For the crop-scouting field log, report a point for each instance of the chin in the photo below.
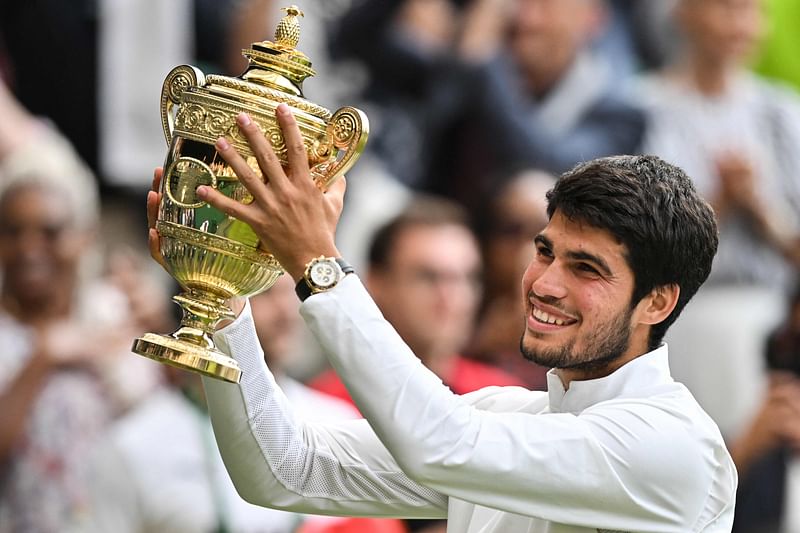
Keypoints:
(543, 353)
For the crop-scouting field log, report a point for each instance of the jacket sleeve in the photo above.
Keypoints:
(277, 460)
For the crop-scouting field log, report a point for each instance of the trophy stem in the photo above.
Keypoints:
(192, 347)
(201, 313)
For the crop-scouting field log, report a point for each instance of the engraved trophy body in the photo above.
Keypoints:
(211, 255)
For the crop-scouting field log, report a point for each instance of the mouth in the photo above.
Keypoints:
(543, 320)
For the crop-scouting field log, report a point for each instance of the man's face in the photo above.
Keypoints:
(577, 293)
(547, 34)
(39, 244)
(722, 30)
(276, 317)
(430, 289)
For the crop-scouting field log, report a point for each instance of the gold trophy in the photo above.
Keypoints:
(213, 256)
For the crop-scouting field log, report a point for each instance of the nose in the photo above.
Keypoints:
(545, 281)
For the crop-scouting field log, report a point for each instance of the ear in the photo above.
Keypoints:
(658, 304)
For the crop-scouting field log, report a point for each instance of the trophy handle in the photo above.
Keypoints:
(178, 80)
(348, 128)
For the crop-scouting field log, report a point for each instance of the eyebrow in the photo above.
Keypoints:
(577, 255)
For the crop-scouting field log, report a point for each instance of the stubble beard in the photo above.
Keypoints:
(609, 343)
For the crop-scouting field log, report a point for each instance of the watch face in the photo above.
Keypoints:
(324, 273)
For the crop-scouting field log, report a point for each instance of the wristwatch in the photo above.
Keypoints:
(322, 274)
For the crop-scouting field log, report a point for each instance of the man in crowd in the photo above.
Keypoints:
(425, 275)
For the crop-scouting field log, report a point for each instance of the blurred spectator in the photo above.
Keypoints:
(468, 92)
(766, 451)
(159, 469)
(65, 336)
(517, 215)
(736, 135)
(424, 274)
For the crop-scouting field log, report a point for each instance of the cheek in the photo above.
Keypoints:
(532, 273)
(528, 277)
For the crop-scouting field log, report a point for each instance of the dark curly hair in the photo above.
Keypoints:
(669, 232)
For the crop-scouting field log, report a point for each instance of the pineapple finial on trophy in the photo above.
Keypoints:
(287, 34)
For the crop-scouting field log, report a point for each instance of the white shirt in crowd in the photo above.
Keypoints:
(629, 452)
(159, 470)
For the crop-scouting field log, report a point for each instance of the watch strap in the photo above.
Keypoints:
(304, 290)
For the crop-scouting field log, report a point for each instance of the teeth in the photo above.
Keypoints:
(541, 316)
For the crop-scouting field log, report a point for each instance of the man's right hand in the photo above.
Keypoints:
(153, 201)
(154, 241)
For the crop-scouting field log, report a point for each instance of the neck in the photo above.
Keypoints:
(544, 78)
(539, 86)
(541, 81)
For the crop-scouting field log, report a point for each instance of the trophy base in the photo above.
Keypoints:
(182, 354)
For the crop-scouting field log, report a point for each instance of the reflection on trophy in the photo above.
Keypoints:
(212, 255)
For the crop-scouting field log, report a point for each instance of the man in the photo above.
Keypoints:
(424, 274)
(614, 444)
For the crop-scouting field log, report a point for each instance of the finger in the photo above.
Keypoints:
(227, 205)
(152, 208)
(295, 147)
(154, 243)
(265, 155)
(335, 194)
(247, 176)
(158, 173)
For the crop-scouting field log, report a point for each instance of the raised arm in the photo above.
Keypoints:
(277, 460)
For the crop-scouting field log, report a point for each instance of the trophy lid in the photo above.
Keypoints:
(268, 58)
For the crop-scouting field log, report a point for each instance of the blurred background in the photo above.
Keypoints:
(475, 107)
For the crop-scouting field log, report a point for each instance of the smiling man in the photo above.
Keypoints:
(613, 445)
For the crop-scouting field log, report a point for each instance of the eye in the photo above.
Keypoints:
(543, 251)
(586, 268)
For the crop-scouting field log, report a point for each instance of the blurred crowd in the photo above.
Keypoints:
(475, 107)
